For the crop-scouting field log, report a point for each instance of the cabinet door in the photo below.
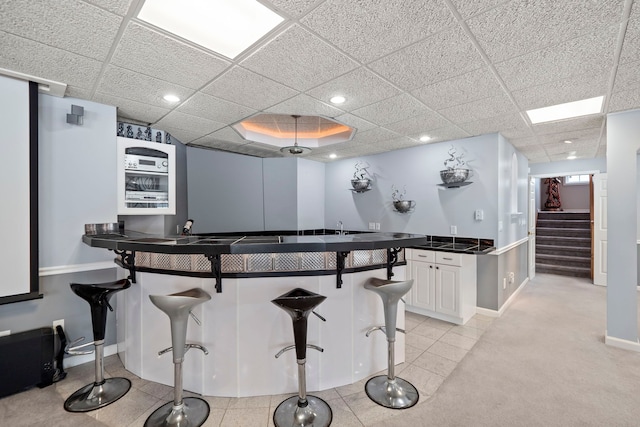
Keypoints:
(447, 289)
(423, 290)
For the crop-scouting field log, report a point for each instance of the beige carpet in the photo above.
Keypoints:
(543, 363)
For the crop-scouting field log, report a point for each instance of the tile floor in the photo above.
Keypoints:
(433, 350)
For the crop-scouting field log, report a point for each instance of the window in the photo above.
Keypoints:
(576, 179)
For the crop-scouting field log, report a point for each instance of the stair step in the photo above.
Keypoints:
(581, 252)
(562, 232)
(563, 260)
(564, 215)
(563, 270)
(576, 242)
(568, 223)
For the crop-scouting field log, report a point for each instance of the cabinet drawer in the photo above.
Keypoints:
(448, 258)
(422, 255)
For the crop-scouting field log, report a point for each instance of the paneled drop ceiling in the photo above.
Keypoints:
(445, 68)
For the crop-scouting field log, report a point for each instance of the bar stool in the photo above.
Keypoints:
(182, 411)
(301, 410)
(101, 392)
(388, 390)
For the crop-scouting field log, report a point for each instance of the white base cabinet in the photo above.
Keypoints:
(444, 285)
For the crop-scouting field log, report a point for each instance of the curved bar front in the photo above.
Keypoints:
(241, 328)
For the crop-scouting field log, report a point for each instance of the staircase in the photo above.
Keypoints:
(563, 243)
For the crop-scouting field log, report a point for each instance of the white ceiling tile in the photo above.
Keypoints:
(570, 89)
(439, 57)
(632, 38)
(148, 52)
(498, 105)
(127, 84)
(593, 52)
(80, 93)
(129, 109)
(211, 108)
(447, 133)
(70, 25)
(119, 7)
(477, 84)
(360, 125)
(392, 110)
(306, 106)
(467, 8)
(570, 125)
(373, 135)
(227, 134)
(417, 125)
(187, 127)
(627, 77)
(295, 8)
(368, 30)
(501, 123)
(522, 26)
(602, 151)
(36, 59)
(360, 87)
(621, 101)
(247, 88)
(298, 59)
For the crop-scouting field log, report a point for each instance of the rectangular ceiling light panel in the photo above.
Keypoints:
(568, 110)
(227, 27)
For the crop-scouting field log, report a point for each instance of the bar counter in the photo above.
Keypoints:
(241, 328)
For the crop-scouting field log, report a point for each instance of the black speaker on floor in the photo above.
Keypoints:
(26, 360)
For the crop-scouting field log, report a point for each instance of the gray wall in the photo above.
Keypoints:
(311, 191)
(226, 191)
(280, 186)
(622, 147)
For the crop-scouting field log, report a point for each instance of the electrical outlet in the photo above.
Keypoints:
(504, 283)
(5, 333)
(58, 322)
(479, 215)
(512, 277)
(377, 226)
(454, 230)
(372, 226)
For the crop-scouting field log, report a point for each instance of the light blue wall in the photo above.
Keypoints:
(623, 142)
(512, 225)
(417, 169)
(77, 168)
(77, 173)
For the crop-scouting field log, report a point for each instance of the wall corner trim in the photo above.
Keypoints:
(620, 343)
(510, 246)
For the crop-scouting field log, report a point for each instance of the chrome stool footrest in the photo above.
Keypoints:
(186, 348)
(292, 346)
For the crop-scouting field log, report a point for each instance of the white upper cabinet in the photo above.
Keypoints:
(146, 178)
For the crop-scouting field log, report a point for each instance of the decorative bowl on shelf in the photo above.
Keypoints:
(404, 206)
(454, 176)
(360, 185)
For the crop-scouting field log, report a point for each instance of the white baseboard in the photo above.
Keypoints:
(620, 343)
(497, 313)
(79, 359)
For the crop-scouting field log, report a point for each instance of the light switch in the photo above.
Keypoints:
(454, 230)
(479, 215)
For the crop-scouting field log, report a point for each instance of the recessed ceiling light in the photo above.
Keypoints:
(567, 110)
(425, 138)
(171, 98)
(333, 155)
(226, 27)
(338, 99)
(571, 157)
(566, 141)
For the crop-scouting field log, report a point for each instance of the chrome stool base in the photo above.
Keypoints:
(192, 413)
(394, 394)
(316, 413)
(94, 396)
